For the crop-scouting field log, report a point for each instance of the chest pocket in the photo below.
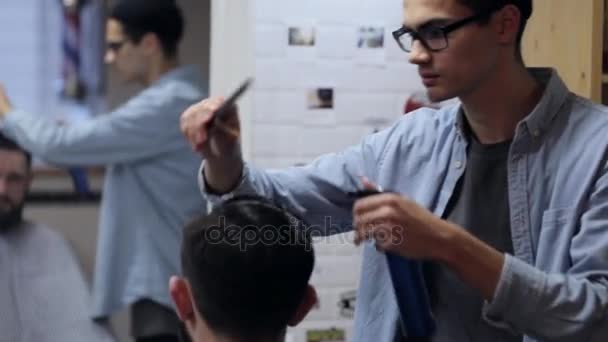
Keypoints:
(558, 226)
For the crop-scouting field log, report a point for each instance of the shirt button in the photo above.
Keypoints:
(536, 133)
(458, 164)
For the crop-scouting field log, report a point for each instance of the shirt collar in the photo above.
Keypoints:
(180, 72)
(539, 119)
(553, 98)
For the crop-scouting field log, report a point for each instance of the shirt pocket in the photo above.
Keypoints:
(553, 250)
(554, 239)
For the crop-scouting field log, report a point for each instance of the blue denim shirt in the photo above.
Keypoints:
(555, 286)
(148, 192)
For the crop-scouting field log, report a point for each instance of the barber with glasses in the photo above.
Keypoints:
(503, 196)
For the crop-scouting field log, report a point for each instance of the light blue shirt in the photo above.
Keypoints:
(555, 287)
(150, 184)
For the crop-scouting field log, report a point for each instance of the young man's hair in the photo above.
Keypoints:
(248, 263)
(8, 144)
(161, 17)
(487, 6)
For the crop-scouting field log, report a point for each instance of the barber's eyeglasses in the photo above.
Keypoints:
(433, 38)
(115, 46)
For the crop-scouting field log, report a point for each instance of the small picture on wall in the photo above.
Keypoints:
(301, 36)
(370, 37)
(320, 98)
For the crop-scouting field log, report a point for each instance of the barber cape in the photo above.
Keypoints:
(43, 294)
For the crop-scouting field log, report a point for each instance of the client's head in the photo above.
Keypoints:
(15, 180)
(246, 268)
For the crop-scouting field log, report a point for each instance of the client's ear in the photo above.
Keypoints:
(180, 293)
(309, 300)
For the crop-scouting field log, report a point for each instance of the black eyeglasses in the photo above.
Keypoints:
(434, 38)
(115, 46)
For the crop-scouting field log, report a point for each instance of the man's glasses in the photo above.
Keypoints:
(433, 38)
(115, 46)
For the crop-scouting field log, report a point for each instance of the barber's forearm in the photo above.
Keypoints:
(5, 104)
(223, 175)
(5, 109)
(475, 262)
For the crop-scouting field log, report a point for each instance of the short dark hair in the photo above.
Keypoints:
(161, 17)
(248, 263)
(486, 6)
(8, 144)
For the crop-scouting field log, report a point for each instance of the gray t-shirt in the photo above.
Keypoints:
(480, 205)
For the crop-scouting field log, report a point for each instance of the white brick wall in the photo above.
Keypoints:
(369, 93)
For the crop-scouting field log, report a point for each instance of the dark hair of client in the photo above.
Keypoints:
(10, 145)
(248, 263)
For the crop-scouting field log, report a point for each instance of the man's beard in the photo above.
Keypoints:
(11, 219)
